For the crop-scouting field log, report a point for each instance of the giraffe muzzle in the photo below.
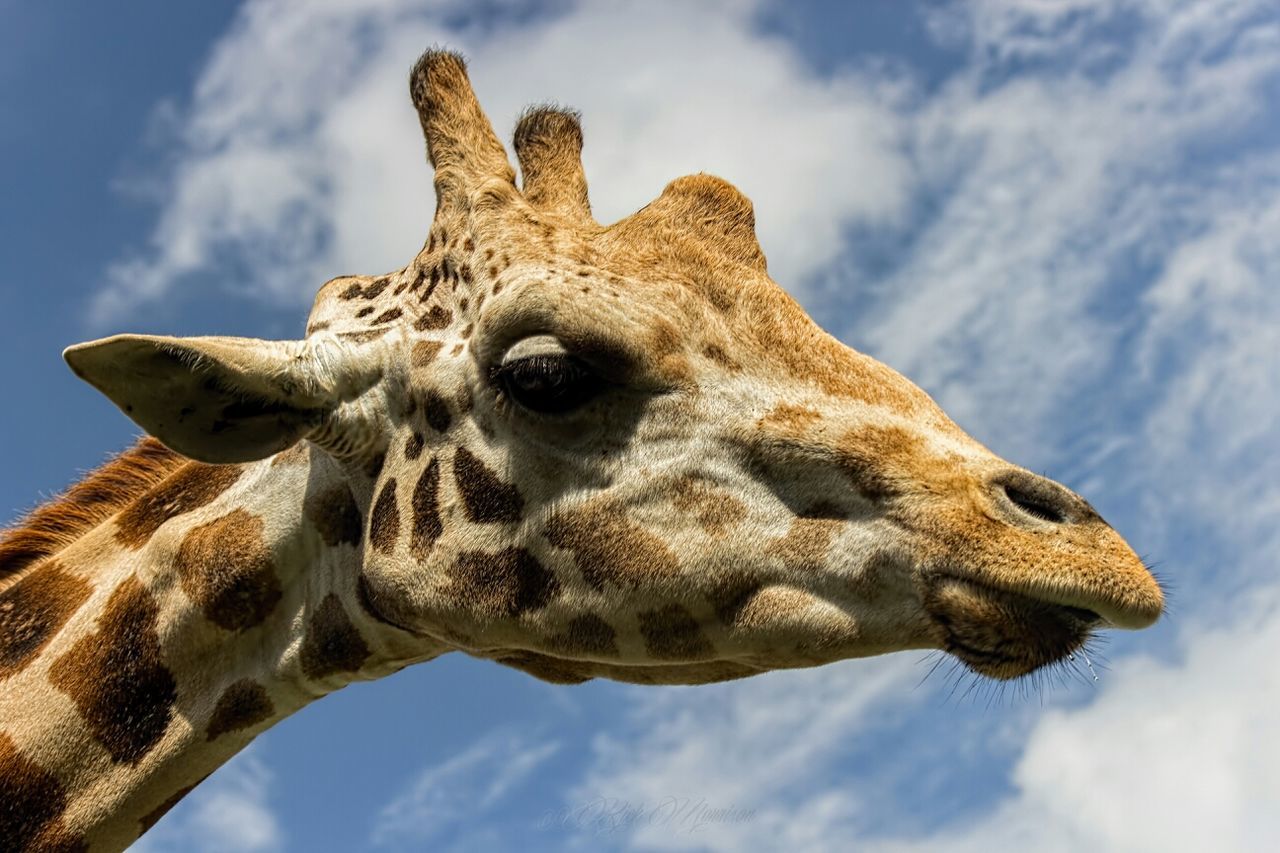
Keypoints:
(1004, 634)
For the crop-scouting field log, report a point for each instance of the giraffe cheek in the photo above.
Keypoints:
(501, 586)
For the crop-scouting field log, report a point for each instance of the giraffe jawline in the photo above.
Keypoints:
(366, 597)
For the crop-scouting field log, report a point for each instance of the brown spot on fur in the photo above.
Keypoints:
(427, 525)
(877, 458)
(413, 446)
(32, 802)
(804, 547)
(353, 290)
(33, 610)
(332, 644)
(730, 593)
(364, 337)
(375, 288)
(243, 704)
(335, 515)
(436, 411)
(384, 521)
(486, 498)
(504, 584)
(425, 352)
(50, 528)
(115, 676)
(715, 509)
(318, 327)
(587, 635)
(152, 817)
(720, 357)
(388, 315)
(435, 319)
(194, 485)
(225, 568)
(608, 546)
(790, 417)
(364, 312)
(671, 633)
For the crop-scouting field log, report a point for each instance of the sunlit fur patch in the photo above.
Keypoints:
(1001, 634)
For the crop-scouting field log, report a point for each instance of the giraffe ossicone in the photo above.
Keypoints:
(580, 450)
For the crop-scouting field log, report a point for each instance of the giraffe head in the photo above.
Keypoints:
(624, 451)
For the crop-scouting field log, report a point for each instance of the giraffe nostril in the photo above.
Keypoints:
(1033, 505)
(1026, 497)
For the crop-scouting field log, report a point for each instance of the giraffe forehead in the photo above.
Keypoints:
(730, 319)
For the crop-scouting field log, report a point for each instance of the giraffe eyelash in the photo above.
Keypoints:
(548, 384)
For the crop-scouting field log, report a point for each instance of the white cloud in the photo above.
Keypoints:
(748, 765)
(460, 790)
(301, 158)
(228, 813)
(1045, 185)
(1214, 321)
(1170, 757)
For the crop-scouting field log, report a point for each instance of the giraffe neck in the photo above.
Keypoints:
(142, 656)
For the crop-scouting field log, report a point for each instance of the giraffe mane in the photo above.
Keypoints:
(63, 519)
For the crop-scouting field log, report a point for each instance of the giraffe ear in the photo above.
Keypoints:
(213, 399)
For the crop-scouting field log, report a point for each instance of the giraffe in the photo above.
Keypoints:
(578, 450)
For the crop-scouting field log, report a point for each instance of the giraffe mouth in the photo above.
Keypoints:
(1003, 634)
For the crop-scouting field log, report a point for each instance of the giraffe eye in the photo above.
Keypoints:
(548, 384)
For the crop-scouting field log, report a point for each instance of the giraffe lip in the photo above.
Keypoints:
(1089, 618)
(1002, 633)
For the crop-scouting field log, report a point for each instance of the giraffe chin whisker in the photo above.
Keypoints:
(1000, 634)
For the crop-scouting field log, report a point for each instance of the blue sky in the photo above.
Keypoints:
(1059, 218)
